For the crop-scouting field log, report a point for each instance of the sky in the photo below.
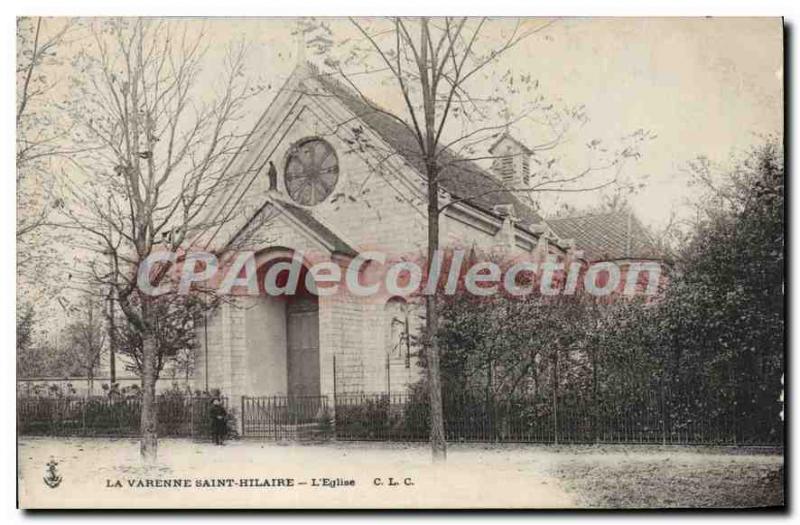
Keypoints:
(702, 86)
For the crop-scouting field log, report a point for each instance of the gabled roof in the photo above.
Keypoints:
(461, 178)
(607, 236)
(305, 217)
(507, 136)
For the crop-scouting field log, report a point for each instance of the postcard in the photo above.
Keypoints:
(400, 263)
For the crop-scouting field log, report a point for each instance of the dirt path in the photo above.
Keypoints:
(383, 475)
(399, 475)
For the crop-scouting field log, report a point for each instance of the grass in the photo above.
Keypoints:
(688, 478)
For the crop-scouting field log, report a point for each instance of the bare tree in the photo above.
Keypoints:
(157, 146)
(86, 339)
(446, 72)
(39, 132)
(39, 142)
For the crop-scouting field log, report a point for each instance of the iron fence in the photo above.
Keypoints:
(285, 417)
(646, 415)
(104, 416)
(651, 416)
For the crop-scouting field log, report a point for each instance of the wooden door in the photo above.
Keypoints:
(302, 358)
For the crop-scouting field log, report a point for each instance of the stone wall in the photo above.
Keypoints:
(247, 340)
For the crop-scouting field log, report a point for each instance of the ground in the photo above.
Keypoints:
(475, 475)
(660, 477)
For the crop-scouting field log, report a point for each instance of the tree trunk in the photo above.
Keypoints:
(555, 397)
(438, 443)
(112, 340)
(595, 401)
(148, 445)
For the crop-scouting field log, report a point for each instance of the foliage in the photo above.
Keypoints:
(38, 357)
(54, 411)
(722, 323)
(27, 362)
(324, 428)
(502, 346)
(717, 334)
(708, 351)
(174, 330)
(47, 390)
(367, 419)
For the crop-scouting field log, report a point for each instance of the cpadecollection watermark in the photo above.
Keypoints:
(373, 272)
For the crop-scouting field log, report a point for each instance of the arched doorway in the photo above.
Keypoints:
(283, 356)
(300, 325)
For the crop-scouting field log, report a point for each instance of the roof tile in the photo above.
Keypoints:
(607, 236)
(462, 178)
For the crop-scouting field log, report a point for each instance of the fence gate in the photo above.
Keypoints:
(286, 418)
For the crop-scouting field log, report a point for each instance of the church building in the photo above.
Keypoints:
(329, 175)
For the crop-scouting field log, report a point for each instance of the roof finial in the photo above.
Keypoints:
(506, 114)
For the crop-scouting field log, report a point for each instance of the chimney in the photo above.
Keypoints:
(512, 161)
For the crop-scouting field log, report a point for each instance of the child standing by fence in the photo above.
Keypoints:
(219, 424)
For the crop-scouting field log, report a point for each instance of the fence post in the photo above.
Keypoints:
(555, 397)
(333, 409)
(663, 411)
(334, 381)
(734, 411)
(244, 425)
(595, 403)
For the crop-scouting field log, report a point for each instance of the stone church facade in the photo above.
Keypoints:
(329, 175)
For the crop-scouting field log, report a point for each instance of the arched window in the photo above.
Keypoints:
(396, 322)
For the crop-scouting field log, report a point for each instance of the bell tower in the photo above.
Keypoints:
(512, 161)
